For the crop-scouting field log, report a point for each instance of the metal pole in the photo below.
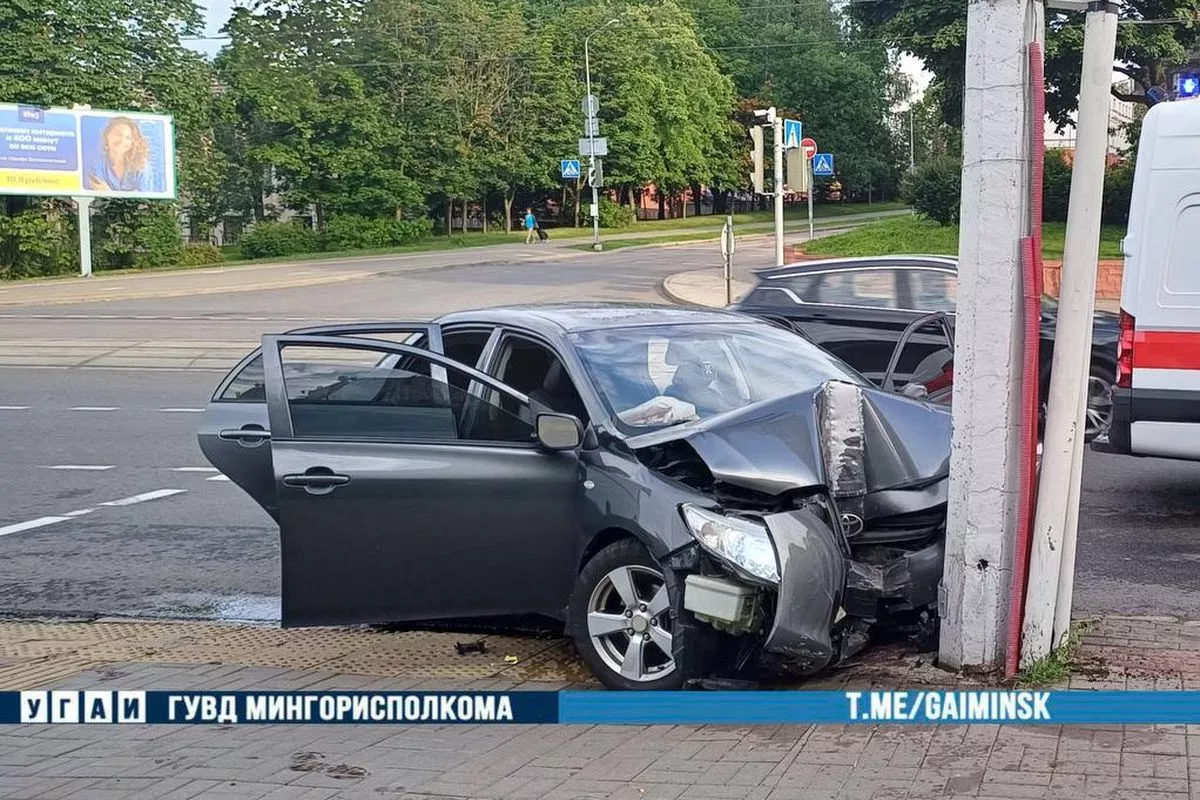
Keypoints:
(811, 188)
(591, 133)
(728, 248)
(1052, 563)
(83, 206)
(777, 126)
(912, 141)
(595, 209)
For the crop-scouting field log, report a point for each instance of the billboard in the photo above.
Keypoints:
(86, 152)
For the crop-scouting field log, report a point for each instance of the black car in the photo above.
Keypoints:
(859, 308)
(686, 491)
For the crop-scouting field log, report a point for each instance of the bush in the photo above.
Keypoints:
(1056, 191)
(1056, 187)
(41, 240)
(268, 239)
(1118, 191)
(129, 233)
(196, 254)
(934, 189)
(615, 215)
(353, 232)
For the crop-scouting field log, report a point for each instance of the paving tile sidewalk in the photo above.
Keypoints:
(778, 762)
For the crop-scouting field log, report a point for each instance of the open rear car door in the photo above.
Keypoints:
(235, 432)
(922, 363)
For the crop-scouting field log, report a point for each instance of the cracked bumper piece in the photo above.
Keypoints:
(812, 572)
(892, 579)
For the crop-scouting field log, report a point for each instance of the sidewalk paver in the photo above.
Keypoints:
(706, 762)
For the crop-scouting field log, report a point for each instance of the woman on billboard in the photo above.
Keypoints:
(120, 161)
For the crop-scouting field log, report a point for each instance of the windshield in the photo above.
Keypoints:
(650, 377)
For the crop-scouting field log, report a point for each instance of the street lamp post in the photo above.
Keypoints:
(588, 113)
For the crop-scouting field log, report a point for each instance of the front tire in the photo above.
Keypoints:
(624, 620)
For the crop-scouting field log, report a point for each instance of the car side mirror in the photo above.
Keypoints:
(558, 432)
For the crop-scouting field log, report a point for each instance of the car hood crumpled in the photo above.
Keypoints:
(853, 439)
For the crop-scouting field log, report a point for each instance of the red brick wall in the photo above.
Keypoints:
(1108, 279)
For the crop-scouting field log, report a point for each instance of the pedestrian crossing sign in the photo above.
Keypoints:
(792, 134)
(822, 165)
(570, 168)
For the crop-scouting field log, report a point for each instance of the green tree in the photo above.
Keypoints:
(112, 54)
(936, 32)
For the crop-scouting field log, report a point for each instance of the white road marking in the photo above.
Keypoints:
(193, 469)
(217, 478)
(14, 408)
(182, 410)
(95, 408)
(145, 496)
(28, 525)
(79, 513)
(86, 467)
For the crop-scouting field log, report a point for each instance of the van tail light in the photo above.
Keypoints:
(1125, 351)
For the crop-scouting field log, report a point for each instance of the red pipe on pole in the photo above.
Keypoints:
(1031, 284)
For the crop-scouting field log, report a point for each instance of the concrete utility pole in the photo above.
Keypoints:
(994, 217)
(1052, 560)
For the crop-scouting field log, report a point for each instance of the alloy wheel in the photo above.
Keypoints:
(1098, 415)
(629, 622)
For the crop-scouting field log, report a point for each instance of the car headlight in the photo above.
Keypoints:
(743, 543)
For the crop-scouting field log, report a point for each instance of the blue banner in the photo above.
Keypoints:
(601, 708)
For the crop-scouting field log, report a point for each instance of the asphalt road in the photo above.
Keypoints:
(108, 508)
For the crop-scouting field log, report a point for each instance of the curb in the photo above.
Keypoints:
(679, 297)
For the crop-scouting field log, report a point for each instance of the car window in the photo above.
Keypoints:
(464, 347)
(933, 289)
(248, 386)
(536, 371)
(351, 393)
(871, 288)
(653, 376)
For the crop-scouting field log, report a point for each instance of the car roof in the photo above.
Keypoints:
(558, 318)
(856, 262)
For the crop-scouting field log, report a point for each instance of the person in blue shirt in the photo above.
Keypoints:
(121, 163)
(530, 226)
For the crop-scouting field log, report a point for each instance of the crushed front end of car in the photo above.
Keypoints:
(823, 521)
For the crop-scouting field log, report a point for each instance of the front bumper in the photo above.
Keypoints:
(812, 570)
(819, 586)
(889, 580)
(826, 601)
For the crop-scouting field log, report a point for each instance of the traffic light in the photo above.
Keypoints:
(595, 176)
(756, 171)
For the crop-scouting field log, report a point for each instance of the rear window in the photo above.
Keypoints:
(248, 386)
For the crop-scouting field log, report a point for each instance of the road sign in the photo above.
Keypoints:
(591, 106)
(823, 165)
(593, 147)
(595, 172)
(809, 146)
(792, 133)
(591, 127)
(570, 168)
(796, 169)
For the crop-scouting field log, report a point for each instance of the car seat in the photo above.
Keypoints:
(557, 393)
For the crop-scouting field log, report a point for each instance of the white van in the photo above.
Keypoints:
(1156, 400)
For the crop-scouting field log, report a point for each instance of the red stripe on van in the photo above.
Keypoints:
(1166, 349)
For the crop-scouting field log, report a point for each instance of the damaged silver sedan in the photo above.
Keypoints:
(690, 493)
